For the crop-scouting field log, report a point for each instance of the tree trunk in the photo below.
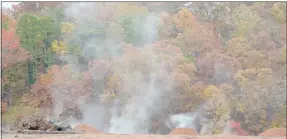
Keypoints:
(31, 72)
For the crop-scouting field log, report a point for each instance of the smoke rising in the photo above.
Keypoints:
(145, 88)
(146, 82)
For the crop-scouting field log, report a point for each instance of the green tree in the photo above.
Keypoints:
(132, 19)
(36, 36)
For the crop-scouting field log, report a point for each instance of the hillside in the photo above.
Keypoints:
(145, 67)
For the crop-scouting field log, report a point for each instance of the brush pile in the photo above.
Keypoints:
(37, 122)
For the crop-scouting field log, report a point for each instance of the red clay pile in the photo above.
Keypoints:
(86, 128)
(184, 131)
(274, 132)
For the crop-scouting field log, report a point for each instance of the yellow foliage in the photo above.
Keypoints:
(255, 59)
(280, 118)
(59, 47)
(216, 131)
(46, 79)
(282, 56)
(245, 19)
(253, 77)
(67, 27)
(188, 69)
(184, 19)
(211, 91)
(113, 85)
(278, 12)
(237, 46)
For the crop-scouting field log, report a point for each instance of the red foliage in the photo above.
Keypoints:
(11, 50)
(65, 84)
(237, 128)
(61, 85)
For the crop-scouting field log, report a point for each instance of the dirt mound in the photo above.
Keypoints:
(274, 132)
(184, 131)
(86, 128)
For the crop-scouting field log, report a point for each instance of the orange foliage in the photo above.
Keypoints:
(59, 84)
(3, 107)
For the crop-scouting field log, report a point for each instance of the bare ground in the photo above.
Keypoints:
(107, 136)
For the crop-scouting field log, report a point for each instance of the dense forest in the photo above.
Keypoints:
(147, 60)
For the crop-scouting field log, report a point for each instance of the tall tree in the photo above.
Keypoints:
(36, 36)
(13, 59)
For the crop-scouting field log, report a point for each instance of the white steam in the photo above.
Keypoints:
(182, 121)
(146, 88)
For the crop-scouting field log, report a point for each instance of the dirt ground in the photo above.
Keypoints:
(278, 132)
(105, 136)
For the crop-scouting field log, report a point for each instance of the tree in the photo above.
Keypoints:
(216, 13)
(254, 90)
(167, 28)
(278, 11)
(67, 28)
(84, 37)
(59, 89)
(244, 19)
(36, 36)
(278, 62)
(240, 48)
(184, 20)
(131, 18)
(197, 41)
(195, 38)
(11, 50)
(217, 67)
(13, 67)
(215, 108)
(31, 7)
(262, 42)
(170, 7)
(59, 47)
(260, 8)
